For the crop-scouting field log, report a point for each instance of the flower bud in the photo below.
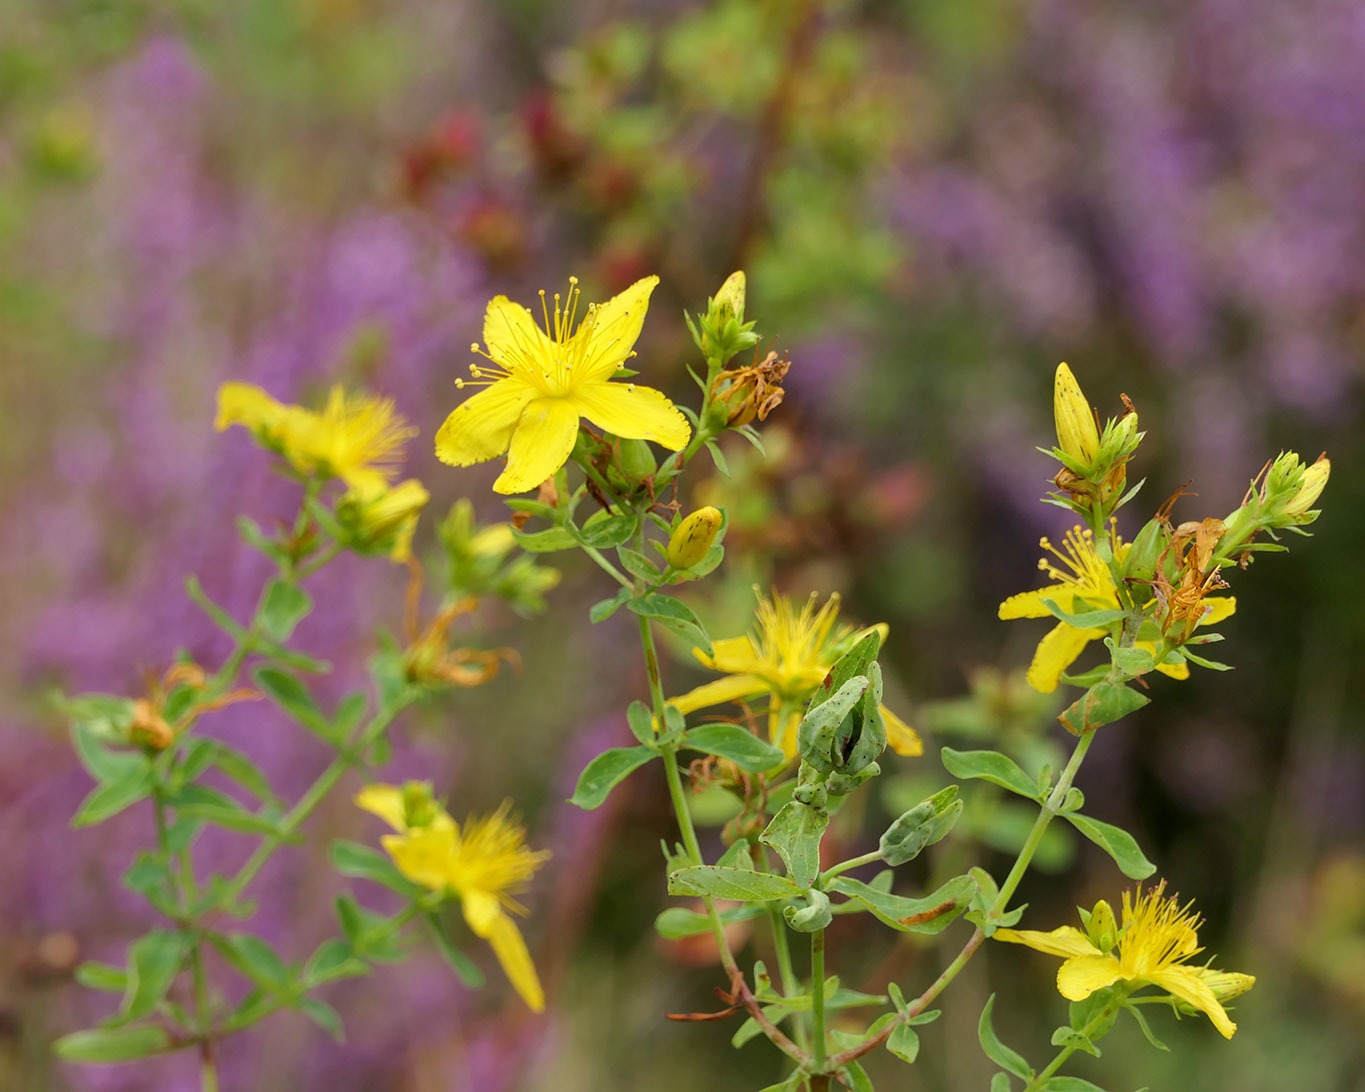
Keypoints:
(149, 727)
(635, 460)
(1314, 479)
(920, 827)
(1077, 435)
(729, 301)
(1226, 985)
(694, 537)
(420, 808)
(1101, 927)
(383, 523)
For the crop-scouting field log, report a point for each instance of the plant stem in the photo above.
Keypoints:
(607, 567)
(817, 999)
(786, 974)
(845, 866)
(1040, 1081)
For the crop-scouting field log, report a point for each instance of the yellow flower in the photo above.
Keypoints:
(356, 437)
(1152, 946)
(485, 864)
(386, 521)
(1077, 434)
(1083, 583)
(787, 658)
(541, 382)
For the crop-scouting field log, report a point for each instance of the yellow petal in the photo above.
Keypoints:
(1081, 976)
(784, 728)
(247, 405)
(1218, 609)
(481, 427)
(1077, 433)
(422, 855)
(1056, 652)
(613, 332)
(1066, 941)
(481, 911)
(1187, 984)
(385, 801)
(510, 949)
(1029, 604)
(719, 691)
(511, 335)
(900, 737)
(632, 412)
(733, 655)
(541, 444)
(1179, 670)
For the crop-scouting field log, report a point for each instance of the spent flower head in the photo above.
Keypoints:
(1151, 946)
(539, 383)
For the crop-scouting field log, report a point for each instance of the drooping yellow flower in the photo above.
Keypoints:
(485, 864)
(386, 521)
(1082, 582)
(356, 437)
(539, 383)
(1151, 947)
(786, 659)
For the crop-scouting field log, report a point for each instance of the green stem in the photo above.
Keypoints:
(1041, 1079)
(845, 866)
(817, 999)
(607, 567)
(786, 974)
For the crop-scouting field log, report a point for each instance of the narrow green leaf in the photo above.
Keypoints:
(102, 976)
(904, 1043)
(795, 832)
(465, 969)
(1201, 661)
(857, 1078)
(990, 766)
(221, 618)
(253, 957)
(233, 764)
(153, 962)
(637, 564)
(740, 884)
(1010, 1060)
(364, 862)
(605, 772)
(113, 796)
(1065, 1083)
(545, 542)
(717, 458)
(293, 697)
(739, 745)
(605, 608)
(105, 1045)
(677, 922)
(218, 808)
(334, 959)
(930, 914)
(675, 615)
(324, 1016)
(284, 607)
(1115, 841)
(1086, 619)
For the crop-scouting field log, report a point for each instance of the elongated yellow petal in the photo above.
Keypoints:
(632, 412)
(540, 445)
(900, 737)
(1218, 609)
(422, 855)
(1187, 984)
(1081, 976)
(511, 335)
(1056, 652)
(385, 801)
(613, 332)
(1066, 941)
(733, 655)
(481, 427)
(720, 691)
(510, 949)
(1029, 604)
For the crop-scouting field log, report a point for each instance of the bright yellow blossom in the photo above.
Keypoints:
(1151, 947)
(1077, 434)
(786, 659)
(1083, 583)
(484, 864)
(538, 384)
(356, 437)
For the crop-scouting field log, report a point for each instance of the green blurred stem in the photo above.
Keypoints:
(817, 999)
(786, 973)
(1096, 1021)
(607, 567)
(855, 862)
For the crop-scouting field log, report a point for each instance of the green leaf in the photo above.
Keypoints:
(673, 614)
(284, 607)
(293, 697)
(465, 969)
(605, 772)
(113, 796)
(637, 564)
(1116, 842)
(1086, 619)
(221, 618)
(795, 832)
(740, 884)
(990, 766)
(324, 1016)
(1200, 661)
(1007, 1059)
(218, 808)
(1066, 1083)
(334, 959)
(545, 542)
(233, 764)
(104, 1045)
(930, 914)
(717, 458)
(920, 827)
(153, 962)
(1102, 704)
(1076, 1040)
(102, 976)
(904, 1043)
(857, 1077)
(1001, 1083)
(97, 720)
(253, 957)
(605, 608)
(1132, 660)
(607, 530)
(813, 916)
(676, 922)
(739, 745)
(794, 1083)
(641, 721)
(366, 863)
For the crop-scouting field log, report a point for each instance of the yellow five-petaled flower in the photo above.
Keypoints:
(484, 864)
(1152, 946)
(539, 383)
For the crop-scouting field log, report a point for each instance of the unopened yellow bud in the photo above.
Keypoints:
(385, 522)
(1314, 479)
(694, 536)
(729, 301)
(1077, 434)
(1103, 930)
(1226, 984)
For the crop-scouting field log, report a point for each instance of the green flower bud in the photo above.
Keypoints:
(1139, 567)
(920, 827)
(1310, 488)
(635, 460)
(1102, 928)
(694, 537)
(729, 301)
(420, 808)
